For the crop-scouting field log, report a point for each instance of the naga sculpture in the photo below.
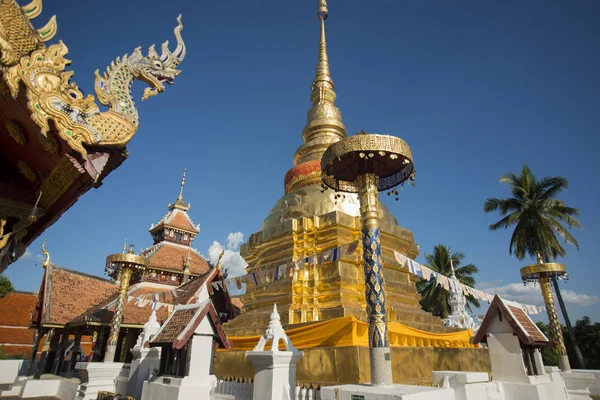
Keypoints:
(77, 118)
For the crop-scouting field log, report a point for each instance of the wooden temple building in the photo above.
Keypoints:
(55, 142)
(74, 308)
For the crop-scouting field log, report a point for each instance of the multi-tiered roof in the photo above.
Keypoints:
(173, 236)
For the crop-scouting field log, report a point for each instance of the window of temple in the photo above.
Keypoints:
(178, 236)
(185, 237)
(171, 234)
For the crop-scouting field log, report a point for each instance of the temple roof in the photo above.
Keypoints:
(65, 294)
(133, 314)
(182, 323)
(140, 299)
(178, 219)
(171, 256)
(527, 331)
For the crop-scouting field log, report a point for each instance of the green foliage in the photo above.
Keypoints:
(5, 286)
(587, 335)
(536, 214)
(435, 298)
(549, 353)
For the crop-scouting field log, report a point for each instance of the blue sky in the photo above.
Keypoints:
(476, 88)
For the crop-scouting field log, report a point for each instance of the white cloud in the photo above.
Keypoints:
(234, 240)
(232, 261)
(531, 294)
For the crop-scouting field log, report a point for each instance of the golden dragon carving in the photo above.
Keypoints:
(78, 119)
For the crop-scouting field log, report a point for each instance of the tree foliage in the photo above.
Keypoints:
(538, 217)
(5, 286)
(587, 335)
(435, 298)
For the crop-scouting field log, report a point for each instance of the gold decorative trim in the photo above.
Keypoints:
(78, 120)
(16, 131)
(27, 171)
(60, 179)
(49, 143)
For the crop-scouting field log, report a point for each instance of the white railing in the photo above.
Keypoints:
(242, 390)
(307, 393)
(122, 379)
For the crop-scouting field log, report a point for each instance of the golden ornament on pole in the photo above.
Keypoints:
(367, 164)
(542, 272)
(122, 265)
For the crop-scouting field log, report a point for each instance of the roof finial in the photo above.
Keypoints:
(323, 76)
(182, 185)
(47, 260)
(125, 247)
(179, 203)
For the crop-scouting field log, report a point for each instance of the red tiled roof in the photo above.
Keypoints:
(175, 325)
(182, 323)
(72, 292)
(527, 332)
(171, 256)
(526, 322)
(133, 314)
(16, 309)
(177, 219)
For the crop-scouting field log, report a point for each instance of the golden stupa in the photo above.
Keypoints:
(308, 221)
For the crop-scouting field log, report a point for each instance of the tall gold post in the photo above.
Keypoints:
(123, 266)
(367, 164)
(557, 336)
(379, 347)
(542, 272)
(115, 325)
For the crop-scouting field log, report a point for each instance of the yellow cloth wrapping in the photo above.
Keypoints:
(348, 331)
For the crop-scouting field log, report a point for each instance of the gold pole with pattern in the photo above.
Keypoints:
(366, 164)
(542, 272)
(123, 265)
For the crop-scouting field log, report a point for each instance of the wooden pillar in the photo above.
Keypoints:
(74, 354)
(44, 355)
(38, 338)
(60, 353)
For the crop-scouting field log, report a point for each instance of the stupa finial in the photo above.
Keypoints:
(323, 75)
(324, 120)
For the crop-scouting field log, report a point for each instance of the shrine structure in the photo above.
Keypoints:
(74, 308)
(55, 142)
(308, 220)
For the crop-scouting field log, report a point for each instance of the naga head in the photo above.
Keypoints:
(158, 70)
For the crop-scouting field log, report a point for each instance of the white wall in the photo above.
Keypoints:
(202, 349)
(506, 358)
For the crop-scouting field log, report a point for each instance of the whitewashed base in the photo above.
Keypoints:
(188, 388)
(395, 392)
(595, 387)
(578, 384)
(96, 377)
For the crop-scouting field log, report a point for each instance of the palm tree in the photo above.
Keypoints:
(434, 298)
(538, 217)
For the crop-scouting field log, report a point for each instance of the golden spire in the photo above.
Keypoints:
(47, 260)
(179, 203)
(323, 76)
(324, 120)
(125, 247)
